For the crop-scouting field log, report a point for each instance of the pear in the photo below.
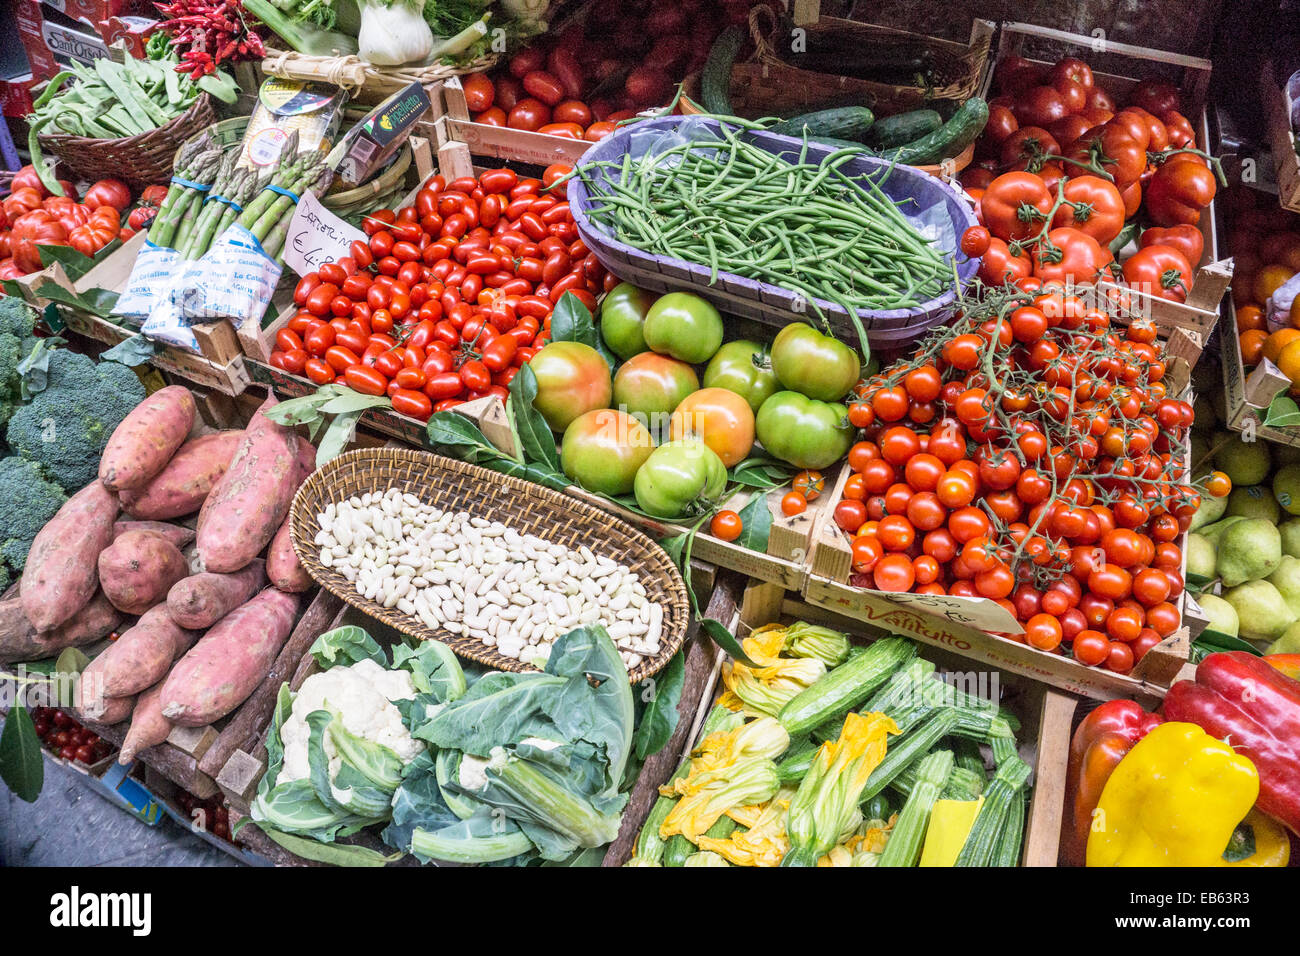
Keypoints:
(1250, 549)
(1286, 578)
(1253, 501)
(1290, 531)
(1288, 643)
(1212, 532)
(1263, 612)
(1222, 615)
(1201, 557)
(1246, 463)
(1210, 511)
(1286, 488)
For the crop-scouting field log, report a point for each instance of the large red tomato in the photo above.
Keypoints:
(1015, 205)
(1161, 270)
(1179, 190)
(1095, 207)
(34, 228)
(108, 192)
(1069, 253)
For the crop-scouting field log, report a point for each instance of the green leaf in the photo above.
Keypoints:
(34, 369)
(336, 854)
(535, 438)
(75, 264)
(756, 524)
(572, 322)
(1241, 845)
(137, 350)
(350, 401)
(455, 436)
(725, 639)
(762, 473)
(71, 660)
(1283, 411)
(98, 302)
(661, 694)
(1211, 641)
(305, 409)
(337, 436)
(21, 767)
(346, 645)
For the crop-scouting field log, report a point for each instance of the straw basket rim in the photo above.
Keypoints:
(379, 467)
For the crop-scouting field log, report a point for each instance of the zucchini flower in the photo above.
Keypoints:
(764, 842)
(865, 859)
(748, 781)
(825, 805)
(642, 861)
(773, 680)
(763, 737)
(810, 640)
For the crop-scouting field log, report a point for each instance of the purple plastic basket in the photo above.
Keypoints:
(760, 300)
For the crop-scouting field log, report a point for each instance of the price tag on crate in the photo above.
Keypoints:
(316, 237)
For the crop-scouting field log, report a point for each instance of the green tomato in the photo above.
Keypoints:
(743, 367)
(680, 478)
(683, 326)
(649, 386)
(572, 378)
(814, 364)
(603, 449)
(802, 431)
(622, 315)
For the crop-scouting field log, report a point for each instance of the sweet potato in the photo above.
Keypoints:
(90, 701)
(226, 665)
(306, 458)
(282, 565)
(145, 441)
(199, 601)
(178, 535)
(246, 506)
(148, 725)
(97, 619)
(143, 654)
(138, 569)
(60, 576)
(183, 485)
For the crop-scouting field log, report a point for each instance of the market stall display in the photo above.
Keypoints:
(693, 435)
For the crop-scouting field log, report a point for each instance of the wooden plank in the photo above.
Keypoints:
(700, 652)
(1047, 806)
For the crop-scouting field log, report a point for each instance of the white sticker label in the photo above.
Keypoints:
(316, 237)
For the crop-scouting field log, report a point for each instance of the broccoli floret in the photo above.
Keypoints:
(16, 340)
(67, 424)
(27, 501)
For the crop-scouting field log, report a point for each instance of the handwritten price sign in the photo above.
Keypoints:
(316, 237)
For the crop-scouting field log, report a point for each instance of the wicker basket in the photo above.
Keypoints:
(524, 506)
(349, 204)
(766, 85)
(138, 161)
(366, 83)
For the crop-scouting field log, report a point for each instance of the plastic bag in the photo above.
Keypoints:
(233, 280)
(151, 276)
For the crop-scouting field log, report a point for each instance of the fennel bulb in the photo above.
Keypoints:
(393, 32)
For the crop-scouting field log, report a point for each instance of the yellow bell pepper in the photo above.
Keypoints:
(1173, 800)
(1267, 844)
(950, 825)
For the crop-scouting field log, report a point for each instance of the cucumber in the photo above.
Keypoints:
(894, 131)
(948, 140)
(843, 123)
(715, 77)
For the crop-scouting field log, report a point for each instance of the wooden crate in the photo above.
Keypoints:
(500, 142)
(1247, 395)
(1286, 162)
(1118, 67)
(1044, 713)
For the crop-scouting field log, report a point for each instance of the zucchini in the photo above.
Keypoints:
(904, 846)
(903, 128)
(677, 850)
(948, 140)
(901, 753)
(846, 686)
(715, 77)
(996, 814)
(797, 761)
(843, 123)
(1013, 832)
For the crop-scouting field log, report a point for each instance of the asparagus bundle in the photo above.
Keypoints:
(197, 165)
(273, 244)
(233, 186)
(267, 217)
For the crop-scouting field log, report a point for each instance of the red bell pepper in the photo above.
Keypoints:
(1099, 743)
(1242, 699)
